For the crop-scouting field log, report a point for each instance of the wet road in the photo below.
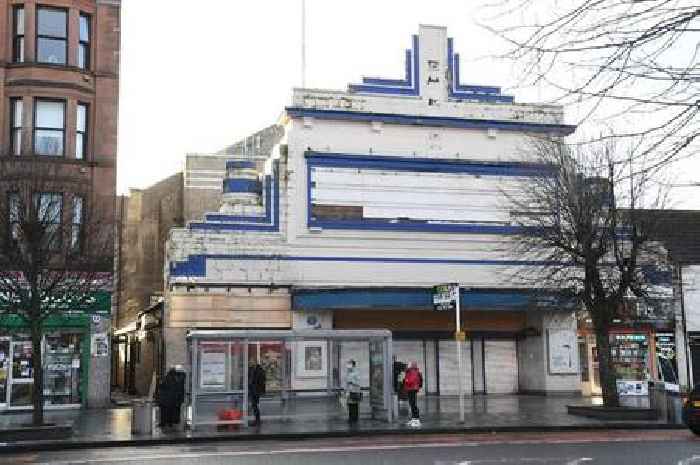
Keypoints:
(595, 448)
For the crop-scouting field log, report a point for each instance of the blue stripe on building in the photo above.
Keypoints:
(195, 265)
(431, 121)
(232, 186)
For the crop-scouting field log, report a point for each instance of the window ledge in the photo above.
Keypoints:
(36, 64)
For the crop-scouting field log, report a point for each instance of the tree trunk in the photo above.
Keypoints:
(38, 386)
(608, 377)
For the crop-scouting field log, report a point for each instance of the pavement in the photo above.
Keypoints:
(322, 418)
(668, 447)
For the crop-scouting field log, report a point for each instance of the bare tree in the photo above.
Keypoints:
(582, 220)
(55, 250)
(629, 64)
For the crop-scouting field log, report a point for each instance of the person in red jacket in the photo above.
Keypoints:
(412, 383)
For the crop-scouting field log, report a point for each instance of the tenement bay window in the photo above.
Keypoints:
(77, 222)
(84, 44)
(49, 127)
(81, 131)
(52, 35)
(49, 210)
(16, 114)
(18, 34)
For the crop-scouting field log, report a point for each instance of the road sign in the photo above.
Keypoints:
(445, 297)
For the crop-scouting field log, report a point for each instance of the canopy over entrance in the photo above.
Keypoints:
(301, 366)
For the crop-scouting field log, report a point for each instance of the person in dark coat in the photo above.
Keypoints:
(256, 388)
(180, 377)
(168, 398)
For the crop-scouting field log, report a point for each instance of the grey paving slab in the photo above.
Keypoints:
(319, 417)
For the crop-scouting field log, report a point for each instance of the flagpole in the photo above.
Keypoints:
(303, 43)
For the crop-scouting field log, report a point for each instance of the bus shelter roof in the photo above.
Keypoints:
(301, 334)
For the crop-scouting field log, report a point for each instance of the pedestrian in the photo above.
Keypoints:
(180, 377)
(412, 383)
(353, 391)
(168, 397)
(256, 387)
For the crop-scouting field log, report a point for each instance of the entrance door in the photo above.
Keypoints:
(501, 366)
(22, 374)
(695, 362)
(4, 371)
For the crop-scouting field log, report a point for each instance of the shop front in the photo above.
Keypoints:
(66, 348)
(638, 355)
(496, 323)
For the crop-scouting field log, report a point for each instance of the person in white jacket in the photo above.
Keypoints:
(352, 390)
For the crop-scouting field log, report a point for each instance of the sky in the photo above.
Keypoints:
(197, 76)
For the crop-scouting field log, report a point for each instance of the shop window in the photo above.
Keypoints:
(4, 369)
(18, 34)
(52, 35)
(62, 368)
(630, 354)
(22, 368)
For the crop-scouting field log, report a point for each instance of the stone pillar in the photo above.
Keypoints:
(535, 375)
(98, 395)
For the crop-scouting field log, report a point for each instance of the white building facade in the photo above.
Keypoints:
(371, 197)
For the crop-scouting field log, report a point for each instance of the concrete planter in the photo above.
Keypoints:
(612, 413)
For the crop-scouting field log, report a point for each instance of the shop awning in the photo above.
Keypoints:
(306, 299)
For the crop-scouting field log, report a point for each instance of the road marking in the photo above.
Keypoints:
(316, 450)
(379, 447)
(504, 460)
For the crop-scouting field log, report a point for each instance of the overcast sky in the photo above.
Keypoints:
(197, 76)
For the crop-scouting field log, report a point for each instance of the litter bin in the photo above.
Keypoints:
(142, 417)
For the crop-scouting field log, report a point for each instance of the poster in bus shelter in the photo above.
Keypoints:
(376, 374)
(213, 367)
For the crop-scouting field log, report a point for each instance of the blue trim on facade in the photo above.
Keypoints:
(490, 94)
(414, 299)
(415, 226)
(407, 81)
(408, 86)
(238, 164)
(435, 165)
(269, 223)
(388, 163)
(430, 121)
(195, 265)
(242, 186)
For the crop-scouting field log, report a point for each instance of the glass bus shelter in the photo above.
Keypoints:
(305, 373)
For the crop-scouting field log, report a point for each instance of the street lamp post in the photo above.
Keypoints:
(460, 362)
